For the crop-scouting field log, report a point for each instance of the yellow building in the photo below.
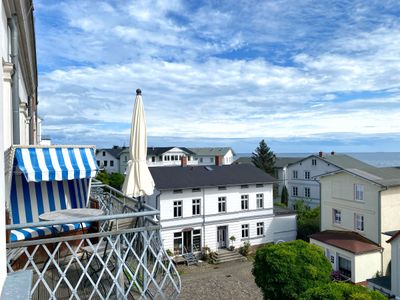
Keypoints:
(357, 207)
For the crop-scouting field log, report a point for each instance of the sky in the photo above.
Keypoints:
(303, 75)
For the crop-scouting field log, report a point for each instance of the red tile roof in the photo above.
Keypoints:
(346, 240)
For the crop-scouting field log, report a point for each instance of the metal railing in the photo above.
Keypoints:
(121, 256)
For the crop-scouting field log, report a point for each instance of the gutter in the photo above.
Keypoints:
(15, 77)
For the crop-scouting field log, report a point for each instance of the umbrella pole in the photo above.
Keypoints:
(144, 244)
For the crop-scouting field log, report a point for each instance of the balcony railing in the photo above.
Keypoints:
(120, 257)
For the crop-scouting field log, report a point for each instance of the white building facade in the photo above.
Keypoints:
(208, 216)
(109, 159)
(18, 94)
(208, 155)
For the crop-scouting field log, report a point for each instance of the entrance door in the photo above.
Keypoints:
(221, 236)
(187, 242)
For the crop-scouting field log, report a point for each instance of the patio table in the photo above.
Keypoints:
(73, 213)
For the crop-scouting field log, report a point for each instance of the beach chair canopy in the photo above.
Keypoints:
(49, 179)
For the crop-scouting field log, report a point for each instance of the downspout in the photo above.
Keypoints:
(380, 225)
(30, 117)
(15, 77)
(204, 219)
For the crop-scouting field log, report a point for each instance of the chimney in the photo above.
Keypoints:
(184, 161)
(320, 154)
(333, 153)
(218, 160)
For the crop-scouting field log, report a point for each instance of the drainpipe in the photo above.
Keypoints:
(15, 77)
(204, 218)
(30, 118)
(380, 225)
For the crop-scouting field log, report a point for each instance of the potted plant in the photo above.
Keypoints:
(232, 239)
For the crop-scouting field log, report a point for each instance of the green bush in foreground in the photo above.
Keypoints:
(341, 291)
(286, 270)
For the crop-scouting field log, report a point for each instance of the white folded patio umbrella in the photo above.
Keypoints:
(138, 180)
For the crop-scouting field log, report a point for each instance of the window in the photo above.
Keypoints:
(177, 243)
(98, 163)
(126, 158)
(196, 190)
(211, 159)
(260, 200)
(172, 157)
(294, 174)
(260, 228)
(259, 185)
(201, 159)
(104, 153)
(196, 207)
(345, 267)
(177, 191)
(337, 216)
(178, 209)
(244, 186)
(105, 163)
(306, 174)
(153, 159)
(245, 231)
(196, 240)
(307, 192)
(359, 222)
(221, 204)
(222, 188)
(160, 158)
(295, 191)
(111, 163)
(314, 162)
(245, 201)
(176, 157)
(359, 192)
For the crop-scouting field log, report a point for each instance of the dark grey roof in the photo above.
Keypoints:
(169, 178)
(280, 162)
(211, 151)
(161, 150)
(116, 152)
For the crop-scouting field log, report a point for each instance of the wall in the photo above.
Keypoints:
(322, 167)
(108, 157)
(395, 266)
(337, 192)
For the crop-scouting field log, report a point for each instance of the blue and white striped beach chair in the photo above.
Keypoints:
(49, 179)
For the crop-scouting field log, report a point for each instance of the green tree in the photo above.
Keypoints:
(285, 196)
(116, 180)
(264, 159)
(340, 291)
(285, 270)
(308, 220)
(103, 177)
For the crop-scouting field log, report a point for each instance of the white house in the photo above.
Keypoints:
(18, 92)
(109, 159)
(302, 176)
(207, 155)
(357, 206)
(206, 205)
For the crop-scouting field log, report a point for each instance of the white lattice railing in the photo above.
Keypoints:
(122, 259)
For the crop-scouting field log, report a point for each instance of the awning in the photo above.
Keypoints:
(56, 163)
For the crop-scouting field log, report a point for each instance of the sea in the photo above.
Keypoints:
(377, 159)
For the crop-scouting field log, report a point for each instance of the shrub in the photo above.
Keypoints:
(244, 250)
(285, 196)
(340, 291)
(169, 252)
(284, 271)
(308, 221)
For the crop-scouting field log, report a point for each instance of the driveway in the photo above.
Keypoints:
(231, 280)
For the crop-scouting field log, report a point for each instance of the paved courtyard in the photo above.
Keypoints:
(232, 280)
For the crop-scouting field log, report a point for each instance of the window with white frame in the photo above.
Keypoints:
(314, 162)
(306, 174)
(259, 185)
(260, 200)
(178, 209)
(307, 192)
(295, 191)
(245, 231)
(337, 216)
(295, 174)
(104, 153)
(359, 222)
(178, 243)
(260, 228)
(111, 163)
(359, 192)
(245, 201)
(105, 163)
(221, 204)
(196, 207)
(196, 240)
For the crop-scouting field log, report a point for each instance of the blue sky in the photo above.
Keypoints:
(304, 75)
